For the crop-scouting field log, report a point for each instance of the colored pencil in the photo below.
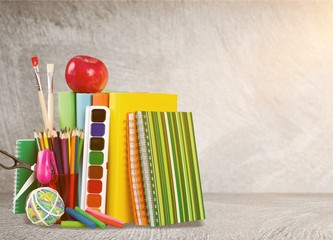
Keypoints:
(64, 152)
(57, 152)
(37, 140)
(69, 150)
(67, 146)
(72, 159)
(46, 140)
(76, 150)
(50, 139)
(41, 141)
(80, 148)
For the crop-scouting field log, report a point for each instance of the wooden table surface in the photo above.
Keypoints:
(228, 216)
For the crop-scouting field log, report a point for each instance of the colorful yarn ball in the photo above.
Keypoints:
(44, 206)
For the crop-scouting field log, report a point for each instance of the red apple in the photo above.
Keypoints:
(85, 74)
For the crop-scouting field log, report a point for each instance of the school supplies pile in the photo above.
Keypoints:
(118, 157)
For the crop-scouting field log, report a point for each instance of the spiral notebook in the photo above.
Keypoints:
(135, 174)
(26, 151)
(169, 168)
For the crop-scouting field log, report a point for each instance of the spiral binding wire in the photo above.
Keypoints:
(16, 177)
(148, 176)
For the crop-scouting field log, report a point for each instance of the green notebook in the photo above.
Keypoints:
(67, 110)
(172, 182)
(26, 150)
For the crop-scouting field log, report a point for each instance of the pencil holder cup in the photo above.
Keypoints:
(67, 187)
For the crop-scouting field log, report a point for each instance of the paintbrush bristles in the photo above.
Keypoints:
(50, 68)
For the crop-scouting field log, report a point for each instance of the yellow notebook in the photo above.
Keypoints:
(118, 192)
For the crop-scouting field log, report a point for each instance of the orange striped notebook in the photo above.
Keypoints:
(135, 173)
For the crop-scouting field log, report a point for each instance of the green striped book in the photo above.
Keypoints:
(170, 167)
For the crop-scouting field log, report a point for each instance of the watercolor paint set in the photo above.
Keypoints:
(95, 158)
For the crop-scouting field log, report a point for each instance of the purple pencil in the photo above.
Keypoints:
(64, 153)
(56, 146)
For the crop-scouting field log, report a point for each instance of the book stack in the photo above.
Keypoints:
(72, 107)
(153, 172)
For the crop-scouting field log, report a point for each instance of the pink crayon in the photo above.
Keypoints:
(105, 218)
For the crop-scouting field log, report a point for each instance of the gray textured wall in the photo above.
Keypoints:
(257, 75)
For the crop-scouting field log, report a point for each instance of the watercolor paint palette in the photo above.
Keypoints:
(95, 157)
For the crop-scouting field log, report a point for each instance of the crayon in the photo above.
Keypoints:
(105, 218)
(80, 217)
(90, 217)
(72, 224)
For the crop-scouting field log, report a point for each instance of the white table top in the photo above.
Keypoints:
(229, 216)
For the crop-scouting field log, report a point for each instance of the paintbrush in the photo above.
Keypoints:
(50, 68)
(34, 61)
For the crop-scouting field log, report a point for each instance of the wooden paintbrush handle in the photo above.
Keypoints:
(43, 108)
(50, 110)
